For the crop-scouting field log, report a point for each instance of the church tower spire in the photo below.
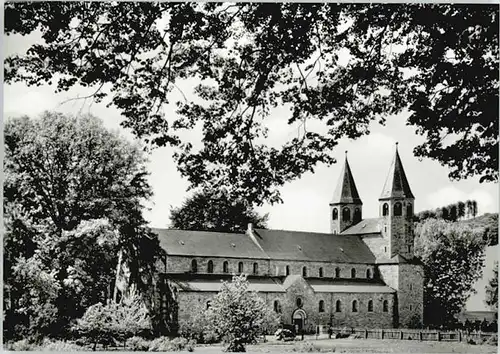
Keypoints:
(396, 210)
(345, 207)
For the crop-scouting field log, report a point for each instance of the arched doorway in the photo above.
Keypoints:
(299, 319)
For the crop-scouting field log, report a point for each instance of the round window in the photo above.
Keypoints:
(299, 302)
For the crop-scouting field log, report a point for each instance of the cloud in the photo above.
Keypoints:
(451, 194)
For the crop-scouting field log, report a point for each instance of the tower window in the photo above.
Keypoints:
(370, 305)
(225, 267)
(385, 306)
(335, 214)
(355, 306)
(338, 306)
(194, 266)
(321, 306)
(337, 272)
(320, 272)
(210, 267)
(299, 302)
(277, 306)
(368, 273)
(304, 271)
(385, 209)
(409, 249)
(409, 211)
(346, 214)
(240, 267)
(398, 209)
(287, 270)
(255, 268)
(357, 215)
(353, 273)
(209, 303)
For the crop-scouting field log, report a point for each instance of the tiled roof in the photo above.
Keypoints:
(396, 184)
(365, 226)
(310, 246)
(346, 191)
(202, 243)
(347, 286)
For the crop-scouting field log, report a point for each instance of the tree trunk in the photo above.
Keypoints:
(118, 269)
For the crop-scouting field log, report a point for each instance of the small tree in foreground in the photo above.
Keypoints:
(239, 315)
(492, 290)
(119, 321)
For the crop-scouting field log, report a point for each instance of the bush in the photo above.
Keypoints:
(493, 340)
(20, 345)
(308, 347)
(138, 344)
(59, 346)
(164, 344)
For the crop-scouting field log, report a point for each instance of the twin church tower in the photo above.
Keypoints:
(396, 206)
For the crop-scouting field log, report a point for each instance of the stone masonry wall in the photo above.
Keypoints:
(377, 245)
(182, 264)
(410, 294)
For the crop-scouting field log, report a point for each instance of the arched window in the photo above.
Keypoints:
(409, 211)
(357, 215)
(337, 272)
(346, 214)
(304, 271)
(255, 268)
(299, 302)
(225, 267)
(338, 306)
(321, 272)
(353, 273)
(321, 306)
(370, 305)
(240, 267)
(368, 273)
(398, 209)
(355, 306)
(335, 214)
(194, 266)
(210, 266)
(209, 303)
(277, 306)
(287, 270)
(385, 209)
(385, 306)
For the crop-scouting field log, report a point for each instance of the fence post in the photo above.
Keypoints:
(420, 335)
(382, 334)
(366, 333)
(459, 335)
(401, 334)
(439, 336)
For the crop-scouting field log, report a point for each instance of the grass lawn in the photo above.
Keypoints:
(361, 346)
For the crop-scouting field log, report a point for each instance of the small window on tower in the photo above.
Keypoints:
(409, 249)
(346, 214)
(357, 215)
(398, 209)
(335, 214)
(409, 211)
(385, 209)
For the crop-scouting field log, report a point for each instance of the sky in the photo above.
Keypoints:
(306, 200)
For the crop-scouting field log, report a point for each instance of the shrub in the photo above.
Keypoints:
(164, 344)
(493, 340)
(308, 347)
(59, 346)
(138, 344)
(20, 345)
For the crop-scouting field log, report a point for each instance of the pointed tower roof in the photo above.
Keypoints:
(396, 185)
(346, 191)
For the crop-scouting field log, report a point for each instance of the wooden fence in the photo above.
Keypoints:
(415, 334)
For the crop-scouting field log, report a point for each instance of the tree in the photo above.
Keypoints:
(469, 208)
(474, 209)
(122, 320)
(492, 290)
(215, 211)
(453, 212)
(461, 210)
(439, 61)
(239, 315)
(72, 195)
(453, 256)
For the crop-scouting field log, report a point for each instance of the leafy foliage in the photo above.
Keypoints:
(72, 199)
(215, 211)
(451, 212)
(492, 290)
(239, 315)
(337, 67)
(453, 257)
(123, 320)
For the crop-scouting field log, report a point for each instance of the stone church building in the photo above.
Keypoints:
(361, 274)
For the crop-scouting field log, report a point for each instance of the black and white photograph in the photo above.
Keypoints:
(261, 177)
